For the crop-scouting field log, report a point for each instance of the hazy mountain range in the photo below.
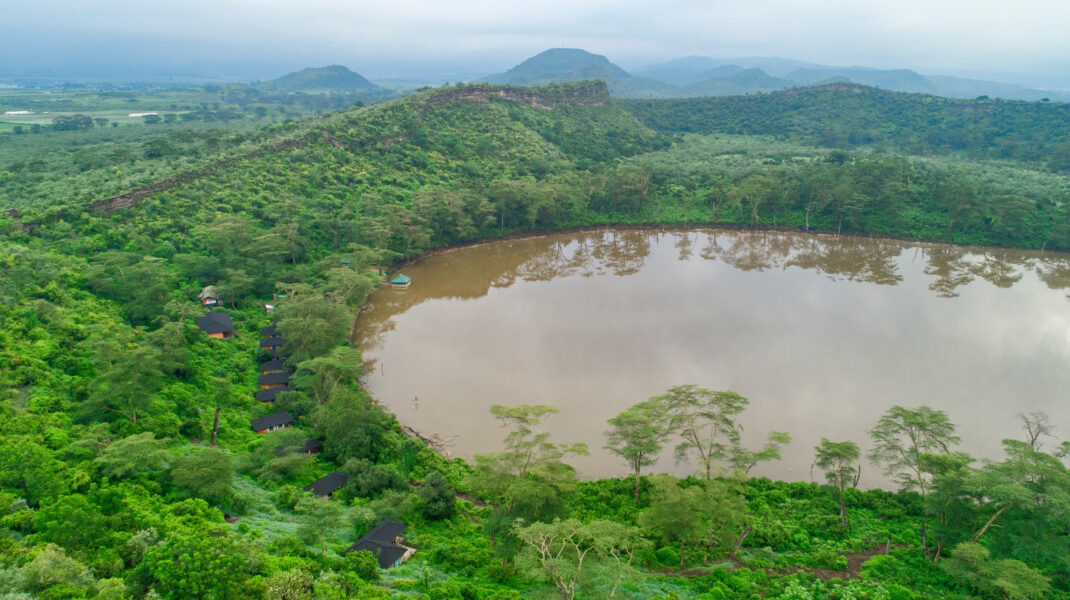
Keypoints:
(703, 76)
(692, 76)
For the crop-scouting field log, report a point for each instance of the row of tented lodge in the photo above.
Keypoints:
(385, 541)
(274, 379)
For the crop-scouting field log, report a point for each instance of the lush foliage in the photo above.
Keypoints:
(121, 417)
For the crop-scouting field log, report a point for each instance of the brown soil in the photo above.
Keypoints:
(854, 566)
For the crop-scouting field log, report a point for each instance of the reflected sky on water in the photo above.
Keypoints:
(821, 333)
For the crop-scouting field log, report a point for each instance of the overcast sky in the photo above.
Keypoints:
(265, 38)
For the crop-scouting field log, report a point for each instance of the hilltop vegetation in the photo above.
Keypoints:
(559, 65)
(109, 392)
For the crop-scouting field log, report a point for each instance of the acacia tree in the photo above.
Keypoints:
(743, 460)
(128, 378)
(321, 376)
(839, 462)
(1032, 484)
(313, 324)
(705, 419)
(903, 436)
(206, 473)
(135, 455)
(1007, 578)
(529, 476)
(563, 551)
(638, 435)
(323, 519)
(954, 499)
(528, 450)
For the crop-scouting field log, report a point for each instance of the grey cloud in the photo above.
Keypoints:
(268, 37)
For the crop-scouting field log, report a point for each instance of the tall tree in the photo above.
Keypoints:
(529, 477)
(353, 427)
(134, 455)
(323, 519)
(1008, 578)
(527, 449)
(313, 324)
(127, 381)
(901, 438)
(321, 376)
(705, 419)
(206, 474)
(839, 461)
(638, 435)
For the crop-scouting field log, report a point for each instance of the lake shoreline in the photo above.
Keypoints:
(726, 227)
(867, 338)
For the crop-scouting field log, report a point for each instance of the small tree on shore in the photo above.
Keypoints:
(839, 461)
(638, 435)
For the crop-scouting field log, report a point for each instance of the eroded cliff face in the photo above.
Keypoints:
(587, 93)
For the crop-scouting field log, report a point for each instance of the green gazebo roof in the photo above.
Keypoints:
(401, 280)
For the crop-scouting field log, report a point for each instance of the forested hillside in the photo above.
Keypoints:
(80, 145)
(129, 467)
(842, 115)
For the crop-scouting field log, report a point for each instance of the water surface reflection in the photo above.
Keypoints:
(821, 333)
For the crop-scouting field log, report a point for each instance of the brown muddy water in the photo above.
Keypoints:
(822, 334)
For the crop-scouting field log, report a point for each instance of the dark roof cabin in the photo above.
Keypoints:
(217, 325)
(273, 366)
(385, 542)
(274, 380)
(272, 342)
(269, 331)
(272, 422)
(328, 484)
(270, 394)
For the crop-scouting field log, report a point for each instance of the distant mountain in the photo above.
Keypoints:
(333, 78)
(694, 76)
(958, 87)
(900, 80)
(905, 80)
(743, 81)
(558, 65)
(692, 69)
(682, 71)
(724, 71)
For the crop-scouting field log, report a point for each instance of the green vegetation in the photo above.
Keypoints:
(128, 468)
(80, 144)
(841, 115)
